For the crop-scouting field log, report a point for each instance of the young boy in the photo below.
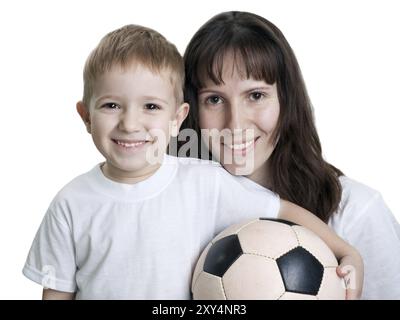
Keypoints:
(134, 226)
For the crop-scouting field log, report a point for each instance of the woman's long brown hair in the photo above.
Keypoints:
(297, 169)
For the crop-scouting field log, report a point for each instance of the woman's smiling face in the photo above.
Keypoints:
(245, 113)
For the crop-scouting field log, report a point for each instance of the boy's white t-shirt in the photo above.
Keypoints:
(108, 240)
(364, 220)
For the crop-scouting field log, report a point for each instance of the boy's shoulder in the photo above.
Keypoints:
(80, 186)
(195, 162)
(197, 166)
(208, 171)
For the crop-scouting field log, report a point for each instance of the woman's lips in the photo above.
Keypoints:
(241, 148)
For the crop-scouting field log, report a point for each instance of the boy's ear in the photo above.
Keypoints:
(180, 116)
(84, 114)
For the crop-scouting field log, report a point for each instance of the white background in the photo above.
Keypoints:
(349, 53)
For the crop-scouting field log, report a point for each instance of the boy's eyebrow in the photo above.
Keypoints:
(112, 97)
(108, 96)
(155, 98)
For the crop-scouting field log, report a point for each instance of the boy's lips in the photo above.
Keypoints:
(130, 143)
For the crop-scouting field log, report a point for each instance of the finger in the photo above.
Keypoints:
(341, 271)
(351, 294)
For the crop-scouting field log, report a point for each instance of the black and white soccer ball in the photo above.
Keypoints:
(267, 259)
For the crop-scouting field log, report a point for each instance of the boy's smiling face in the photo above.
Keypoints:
(132, 114)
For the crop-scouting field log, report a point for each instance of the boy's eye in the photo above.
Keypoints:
(214, 100)
(256, 96)
(152, 106)
(110, 105)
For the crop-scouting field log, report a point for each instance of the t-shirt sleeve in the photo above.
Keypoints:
(376, 235)
(240, 199)
(51, 259)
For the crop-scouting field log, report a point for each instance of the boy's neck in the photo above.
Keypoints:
(120, 176)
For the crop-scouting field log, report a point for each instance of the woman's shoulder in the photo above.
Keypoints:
(356, 193)
(358, 201)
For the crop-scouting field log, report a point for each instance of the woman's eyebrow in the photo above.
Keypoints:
(260, 88)
(250, 89)
(201, 91)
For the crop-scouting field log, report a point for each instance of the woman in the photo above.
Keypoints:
(243, 79)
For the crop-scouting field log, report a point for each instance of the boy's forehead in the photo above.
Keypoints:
(134, 66)
(135, 78)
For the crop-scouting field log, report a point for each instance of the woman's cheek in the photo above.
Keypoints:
(267, 119)
(206, 121)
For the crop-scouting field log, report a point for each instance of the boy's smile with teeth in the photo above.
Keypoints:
(130, 143)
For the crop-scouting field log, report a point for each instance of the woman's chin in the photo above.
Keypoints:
(239, 170)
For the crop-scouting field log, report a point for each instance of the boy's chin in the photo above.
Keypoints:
(147, 158)
(132, 168)
(138, 166)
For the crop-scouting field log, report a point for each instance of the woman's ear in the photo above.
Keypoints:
(84, 114)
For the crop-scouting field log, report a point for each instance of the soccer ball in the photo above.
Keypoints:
(267, 259)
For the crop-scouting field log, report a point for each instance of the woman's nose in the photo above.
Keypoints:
(235, 117)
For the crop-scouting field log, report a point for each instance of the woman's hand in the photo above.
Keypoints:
(351, 268)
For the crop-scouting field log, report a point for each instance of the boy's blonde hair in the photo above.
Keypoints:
(134, 44)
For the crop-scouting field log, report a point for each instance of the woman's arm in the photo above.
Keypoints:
(351, 265)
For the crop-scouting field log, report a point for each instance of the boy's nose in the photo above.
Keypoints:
(130, 122)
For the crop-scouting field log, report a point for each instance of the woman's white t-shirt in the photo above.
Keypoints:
(364, 220)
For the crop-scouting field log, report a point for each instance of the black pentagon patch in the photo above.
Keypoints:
(281, 221)
(301, 272)
(222, 254)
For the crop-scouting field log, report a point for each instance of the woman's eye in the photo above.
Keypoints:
(256, 96)
(110, 105)
(151, 106)
(213, 100)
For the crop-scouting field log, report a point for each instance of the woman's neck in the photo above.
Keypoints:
(261, 176)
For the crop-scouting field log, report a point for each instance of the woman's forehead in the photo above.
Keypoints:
(232, 64)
